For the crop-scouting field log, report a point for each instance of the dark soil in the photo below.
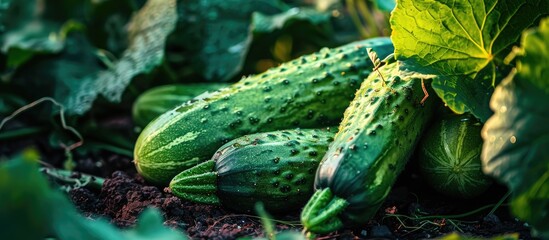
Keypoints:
(125, 195)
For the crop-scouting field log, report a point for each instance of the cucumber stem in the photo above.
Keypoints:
(320, 214)
(319, 199)
(197, 184)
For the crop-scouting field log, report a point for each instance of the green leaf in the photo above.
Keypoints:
(460, 37)
(516, 137)
(463, 94)
(20, 185)
(460, 93)
(262, 23)
(17, 56)
(28, 30)
(217, 46)
(63, 76)
(533, 64)
(531, 206)
(77, 74)
(36, 36)
(148, 31)
(107, 24)
(29, 209)
(463, 42)
(26, 35)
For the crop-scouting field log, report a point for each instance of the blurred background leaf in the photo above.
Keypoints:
(30, 209)
(78, 74)
(212, 37)
(26, 32)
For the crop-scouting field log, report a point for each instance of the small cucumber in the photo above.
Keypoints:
(309, 92)
(375, 139)
(449, 157)
(276, 168)
(155, 101)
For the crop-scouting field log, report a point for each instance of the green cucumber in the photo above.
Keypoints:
(375, 139)
(309, 92)
(276, 168)
(155, 101)
(449, 157)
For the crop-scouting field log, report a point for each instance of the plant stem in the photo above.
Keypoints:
(462, 215)
(61, 116)
(500, 202)
(77, 179)
(266, 221)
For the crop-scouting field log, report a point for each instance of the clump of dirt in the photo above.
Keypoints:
(123, 197)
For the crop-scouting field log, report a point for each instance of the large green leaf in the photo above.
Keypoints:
(516, 137)
(23, 33)
(148, 31)
(20, 185)
(107, 23)
(29, 209)
(76, 78)
(462, 41)
(62, 75)
(460, 93)
(460, 37)
(37, 27)
(215, 35)
(284, 36)
(534, 63)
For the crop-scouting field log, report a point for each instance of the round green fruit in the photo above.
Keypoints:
(449, 157)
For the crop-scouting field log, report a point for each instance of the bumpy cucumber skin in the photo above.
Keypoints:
(276, 168)
(449, 157)
(375, 139)
(309, 92)
(155, 101)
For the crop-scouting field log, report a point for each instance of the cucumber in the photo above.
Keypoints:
(155, 101)
(276, 168)
(309, 92)
(375, 139)
(449, 157)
